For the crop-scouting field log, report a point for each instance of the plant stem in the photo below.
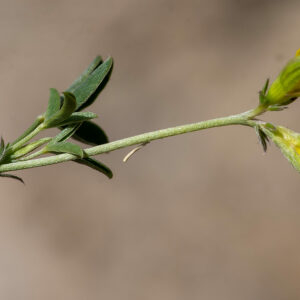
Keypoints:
(19, 144)
(34, 125)
(240, 119)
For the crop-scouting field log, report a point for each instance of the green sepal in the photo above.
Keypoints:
(68, 107)
(96, 165)
(88, 86)
(276, 108)
(262, 98)
(91, 134)
(262, 137)
(265, 88)
(262, 94)
(64, 147)
(271, 127)
(12, 177)
(78, 117)
(94, 64)
(53, 104)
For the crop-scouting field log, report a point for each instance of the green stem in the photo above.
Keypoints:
(33, 155)
(34, 125)
(240, 119)
(21, 153)
(18, 145)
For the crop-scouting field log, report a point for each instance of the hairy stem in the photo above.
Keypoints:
(18, 145)
(240, 119)
(34, 125)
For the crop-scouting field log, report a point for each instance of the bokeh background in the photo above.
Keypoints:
(205, 215)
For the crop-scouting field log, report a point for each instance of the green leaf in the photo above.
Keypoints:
(94, 64)
(29, 148)
(66, 133)
(53, 104)
(87, 87)
(96, 165)
(4, 151)
(68, 107)
(64, 147)
(79, 117)
(2, 148)
(12, 176)
(90, 134)
(2, 144)
(99, 89)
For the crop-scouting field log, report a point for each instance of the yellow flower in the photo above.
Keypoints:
(287, 140)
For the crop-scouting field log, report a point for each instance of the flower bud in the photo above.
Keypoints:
(286, 87)
(287, 140)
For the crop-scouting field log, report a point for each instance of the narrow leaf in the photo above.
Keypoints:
(53, 104)
(99, 89)
(12, 176)
(65, 147)
(68, 107)
(90, 134)
(83, 91)
(66, 133)
(96, 165)
(94, 64)
(2, 148)
(2, 145)
(77, 117)
(29, 148)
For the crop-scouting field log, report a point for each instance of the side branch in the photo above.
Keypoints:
(240, 119)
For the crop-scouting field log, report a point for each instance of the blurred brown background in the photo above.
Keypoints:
(201, 216)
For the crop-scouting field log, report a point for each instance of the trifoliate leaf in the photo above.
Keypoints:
(96, 165)
(90, 134)
(64, 147)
